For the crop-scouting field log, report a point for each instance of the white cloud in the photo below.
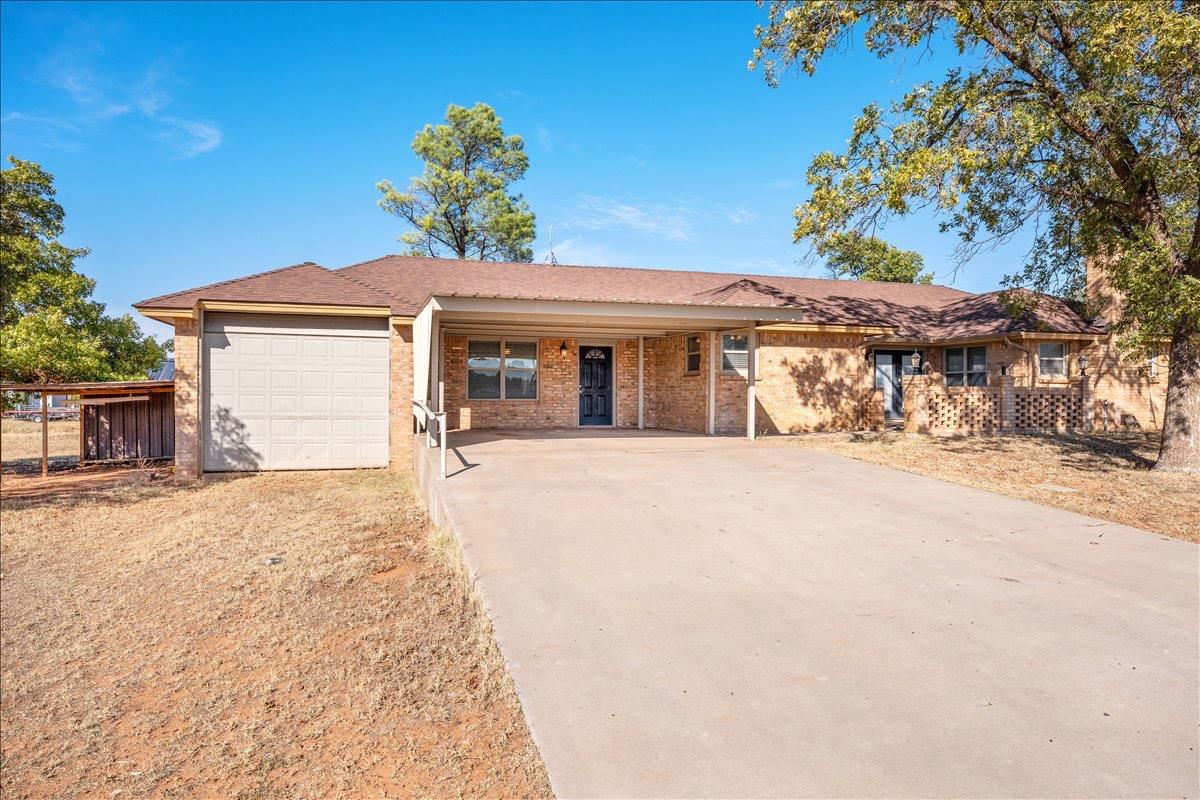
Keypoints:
(545, 137)
(741, 216)
(673, 223)
(190, 137)
(47, 131)
(783, 184)
(77, 70)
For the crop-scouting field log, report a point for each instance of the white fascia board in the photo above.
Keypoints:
(501, 308)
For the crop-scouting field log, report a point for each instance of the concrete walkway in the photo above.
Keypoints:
(691, 617)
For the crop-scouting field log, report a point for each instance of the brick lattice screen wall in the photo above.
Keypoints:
(1047, 409)
(965, 411)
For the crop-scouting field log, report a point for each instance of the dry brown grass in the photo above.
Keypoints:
(21, 442)
(150, 650)
(1109, 473)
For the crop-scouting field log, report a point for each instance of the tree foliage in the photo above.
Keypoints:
(851, 254)
(50, 329)
(1080, 119)
(460, 204)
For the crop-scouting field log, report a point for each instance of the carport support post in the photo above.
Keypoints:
(641, 383)
(45, 437)
(714, 355)
(751, 358)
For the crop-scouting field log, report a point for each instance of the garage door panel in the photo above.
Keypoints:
(250, 346)
(251, 379)
(284, 379)
(252, 403)
(315, 404)
(344, 380)
(284, 346)
(316, 428)
(314, 379)
(346, 404)
(342, 428)
(281, 403)
(312, 393)
(315, 348)
(374, 429)
(374, 405)
(372, 380)
(374, 349)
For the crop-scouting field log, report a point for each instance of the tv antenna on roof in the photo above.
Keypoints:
(550, 259)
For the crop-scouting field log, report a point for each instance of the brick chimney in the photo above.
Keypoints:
(1104, 300)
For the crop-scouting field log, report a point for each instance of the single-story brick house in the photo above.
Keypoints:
(309, 367)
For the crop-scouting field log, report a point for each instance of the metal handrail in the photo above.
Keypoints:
(440, 418)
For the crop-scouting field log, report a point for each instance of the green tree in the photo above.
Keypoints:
(1080, 119)
(853, 255)
(50, 329)
(461, 205)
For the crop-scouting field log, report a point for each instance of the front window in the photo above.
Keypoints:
(502, 370)
(735, 353)
(693, 354)
(1052, 360)
(966, 366)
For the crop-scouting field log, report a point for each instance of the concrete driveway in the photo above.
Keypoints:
(692, 617)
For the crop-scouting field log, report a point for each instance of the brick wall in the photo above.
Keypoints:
(679, 400)
(557, 404)
(187, 397)
(1125, 391)
(811, 382)
(626, 354)
(400, 396)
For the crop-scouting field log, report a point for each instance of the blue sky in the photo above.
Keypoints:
(195, 143)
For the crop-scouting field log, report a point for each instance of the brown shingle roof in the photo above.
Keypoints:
(300, 283)
(405, 283)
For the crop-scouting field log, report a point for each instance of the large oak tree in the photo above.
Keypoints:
(1081, 119)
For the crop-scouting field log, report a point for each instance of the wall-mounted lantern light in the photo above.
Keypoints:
(1083, 362)
(562, 349)
(914, 361)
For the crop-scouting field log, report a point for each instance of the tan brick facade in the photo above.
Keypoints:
(400, 397)
(679, 399)
(557, 403)
(187, 397)
(626, 354)
(812, 382)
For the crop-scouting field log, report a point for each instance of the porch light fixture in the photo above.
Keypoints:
(1083, 362)
(915, 362)
(562, 349)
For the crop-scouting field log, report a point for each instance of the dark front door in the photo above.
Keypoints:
(595, 386)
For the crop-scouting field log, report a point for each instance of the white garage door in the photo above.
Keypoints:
(294, 392)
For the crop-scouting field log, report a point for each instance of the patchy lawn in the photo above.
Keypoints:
(1102, 475)
(279, 635)
(21, 444)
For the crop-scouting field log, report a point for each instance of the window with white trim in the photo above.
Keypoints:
(966, 366)
(502, 370)
(735, 353)
(692, 350)
(1052, 360)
